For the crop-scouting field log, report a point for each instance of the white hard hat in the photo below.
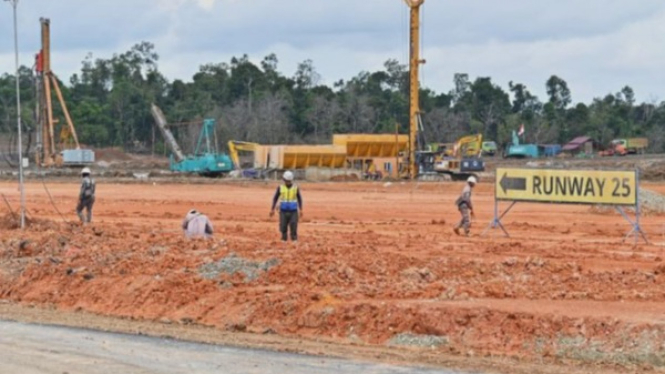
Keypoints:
(288, 176)
(472, 180)
(85, 171)
(191, 214)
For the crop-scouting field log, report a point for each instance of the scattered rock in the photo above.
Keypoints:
(236, 327)
(429, 341)
(23, 245)
(233, 264)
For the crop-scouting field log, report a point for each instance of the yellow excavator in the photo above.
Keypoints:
(235, 146)
(468, 146)
(464, 160)
(459, 162)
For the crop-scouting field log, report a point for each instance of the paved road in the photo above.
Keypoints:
(36, 349)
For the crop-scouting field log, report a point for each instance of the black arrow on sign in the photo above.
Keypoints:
(507, 183)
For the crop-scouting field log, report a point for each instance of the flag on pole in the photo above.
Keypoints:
(521, 132)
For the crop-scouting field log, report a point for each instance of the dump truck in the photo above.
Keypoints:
(633, 145)
(622, 147)
(489, 148)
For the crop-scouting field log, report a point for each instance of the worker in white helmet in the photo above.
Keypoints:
(197, 225)
(290, 207)
(465, 206)
(86, 196)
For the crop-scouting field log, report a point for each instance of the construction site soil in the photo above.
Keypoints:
(377, 265)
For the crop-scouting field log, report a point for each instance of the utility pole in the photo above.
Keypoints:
(414, 84)
(14, 4)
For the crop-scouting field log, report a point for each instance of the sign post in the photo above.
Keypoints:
(607, 187)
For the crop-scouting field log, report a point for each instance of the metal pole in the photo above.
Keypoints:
(18, 117)
(638, 229)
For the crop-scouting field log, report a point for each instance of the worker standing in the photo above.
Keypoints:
(86, 196)
(465, 207)
(197, 225)
(290, 207)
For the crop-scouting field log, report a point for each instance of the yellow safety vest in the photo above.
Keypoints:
(288, 198)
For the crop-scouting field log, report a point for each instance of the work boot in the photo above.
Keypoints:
(456, 229)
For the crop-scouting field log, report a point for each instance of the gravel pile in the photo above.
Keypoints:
(232, 264)
(650, 203)
(428, 341)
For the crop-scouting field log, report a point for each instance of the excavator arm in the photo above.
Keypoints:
(160, 120)
(235, 146)
(469, 146)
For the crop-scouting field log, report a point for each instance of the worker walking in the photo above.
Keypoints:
(197, 225)
(290, 207)
(86, 196)
(465, 207)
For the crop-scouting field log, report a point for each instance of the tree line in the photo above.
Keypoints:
(109, 101)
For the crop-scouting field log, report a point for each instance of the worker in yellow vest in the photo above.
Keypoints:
(290, 207)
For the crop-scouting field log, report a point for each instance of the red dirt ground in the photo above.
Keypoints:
(374, 261)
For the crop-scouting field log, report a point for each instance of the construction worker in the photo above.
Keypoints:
(290, 207)
(465, 206)
(197, 225)
(86, 196)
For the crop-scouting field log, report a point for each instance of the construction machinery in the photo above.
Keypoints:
(622, 147)
(414, 83)
(457, 163)
(205, 161)
(236, 146)
(66, 150)
(518, 150)
(427, 162)
(489, 148)
(465, 160)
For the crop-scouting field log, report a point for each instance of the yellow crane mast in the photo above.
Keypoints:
(414, 84)
(48, 153)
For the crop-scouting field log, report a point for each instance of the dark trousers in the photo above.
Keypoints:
(288, 220)
(85, 203)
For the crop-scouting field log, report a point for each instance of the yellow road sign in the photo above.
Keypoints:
(567, 186)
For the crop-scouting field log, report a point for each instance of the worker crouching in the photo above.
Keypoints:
(465, 207)
(197, 225)
(290, 207)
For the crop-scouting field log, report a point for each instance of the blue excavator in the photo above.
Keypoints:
(205, 161)
(519, 150)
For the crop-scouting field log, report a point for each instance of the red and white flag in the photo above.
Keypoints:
(521, 132)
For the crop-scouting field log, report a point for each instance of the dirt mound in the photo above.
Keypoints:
(111, 155)
(11, 221)
(562, 287)
(345, 178)
(653, 170)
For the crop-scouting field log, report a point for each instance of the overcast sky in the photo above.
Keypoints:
(597, 46)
